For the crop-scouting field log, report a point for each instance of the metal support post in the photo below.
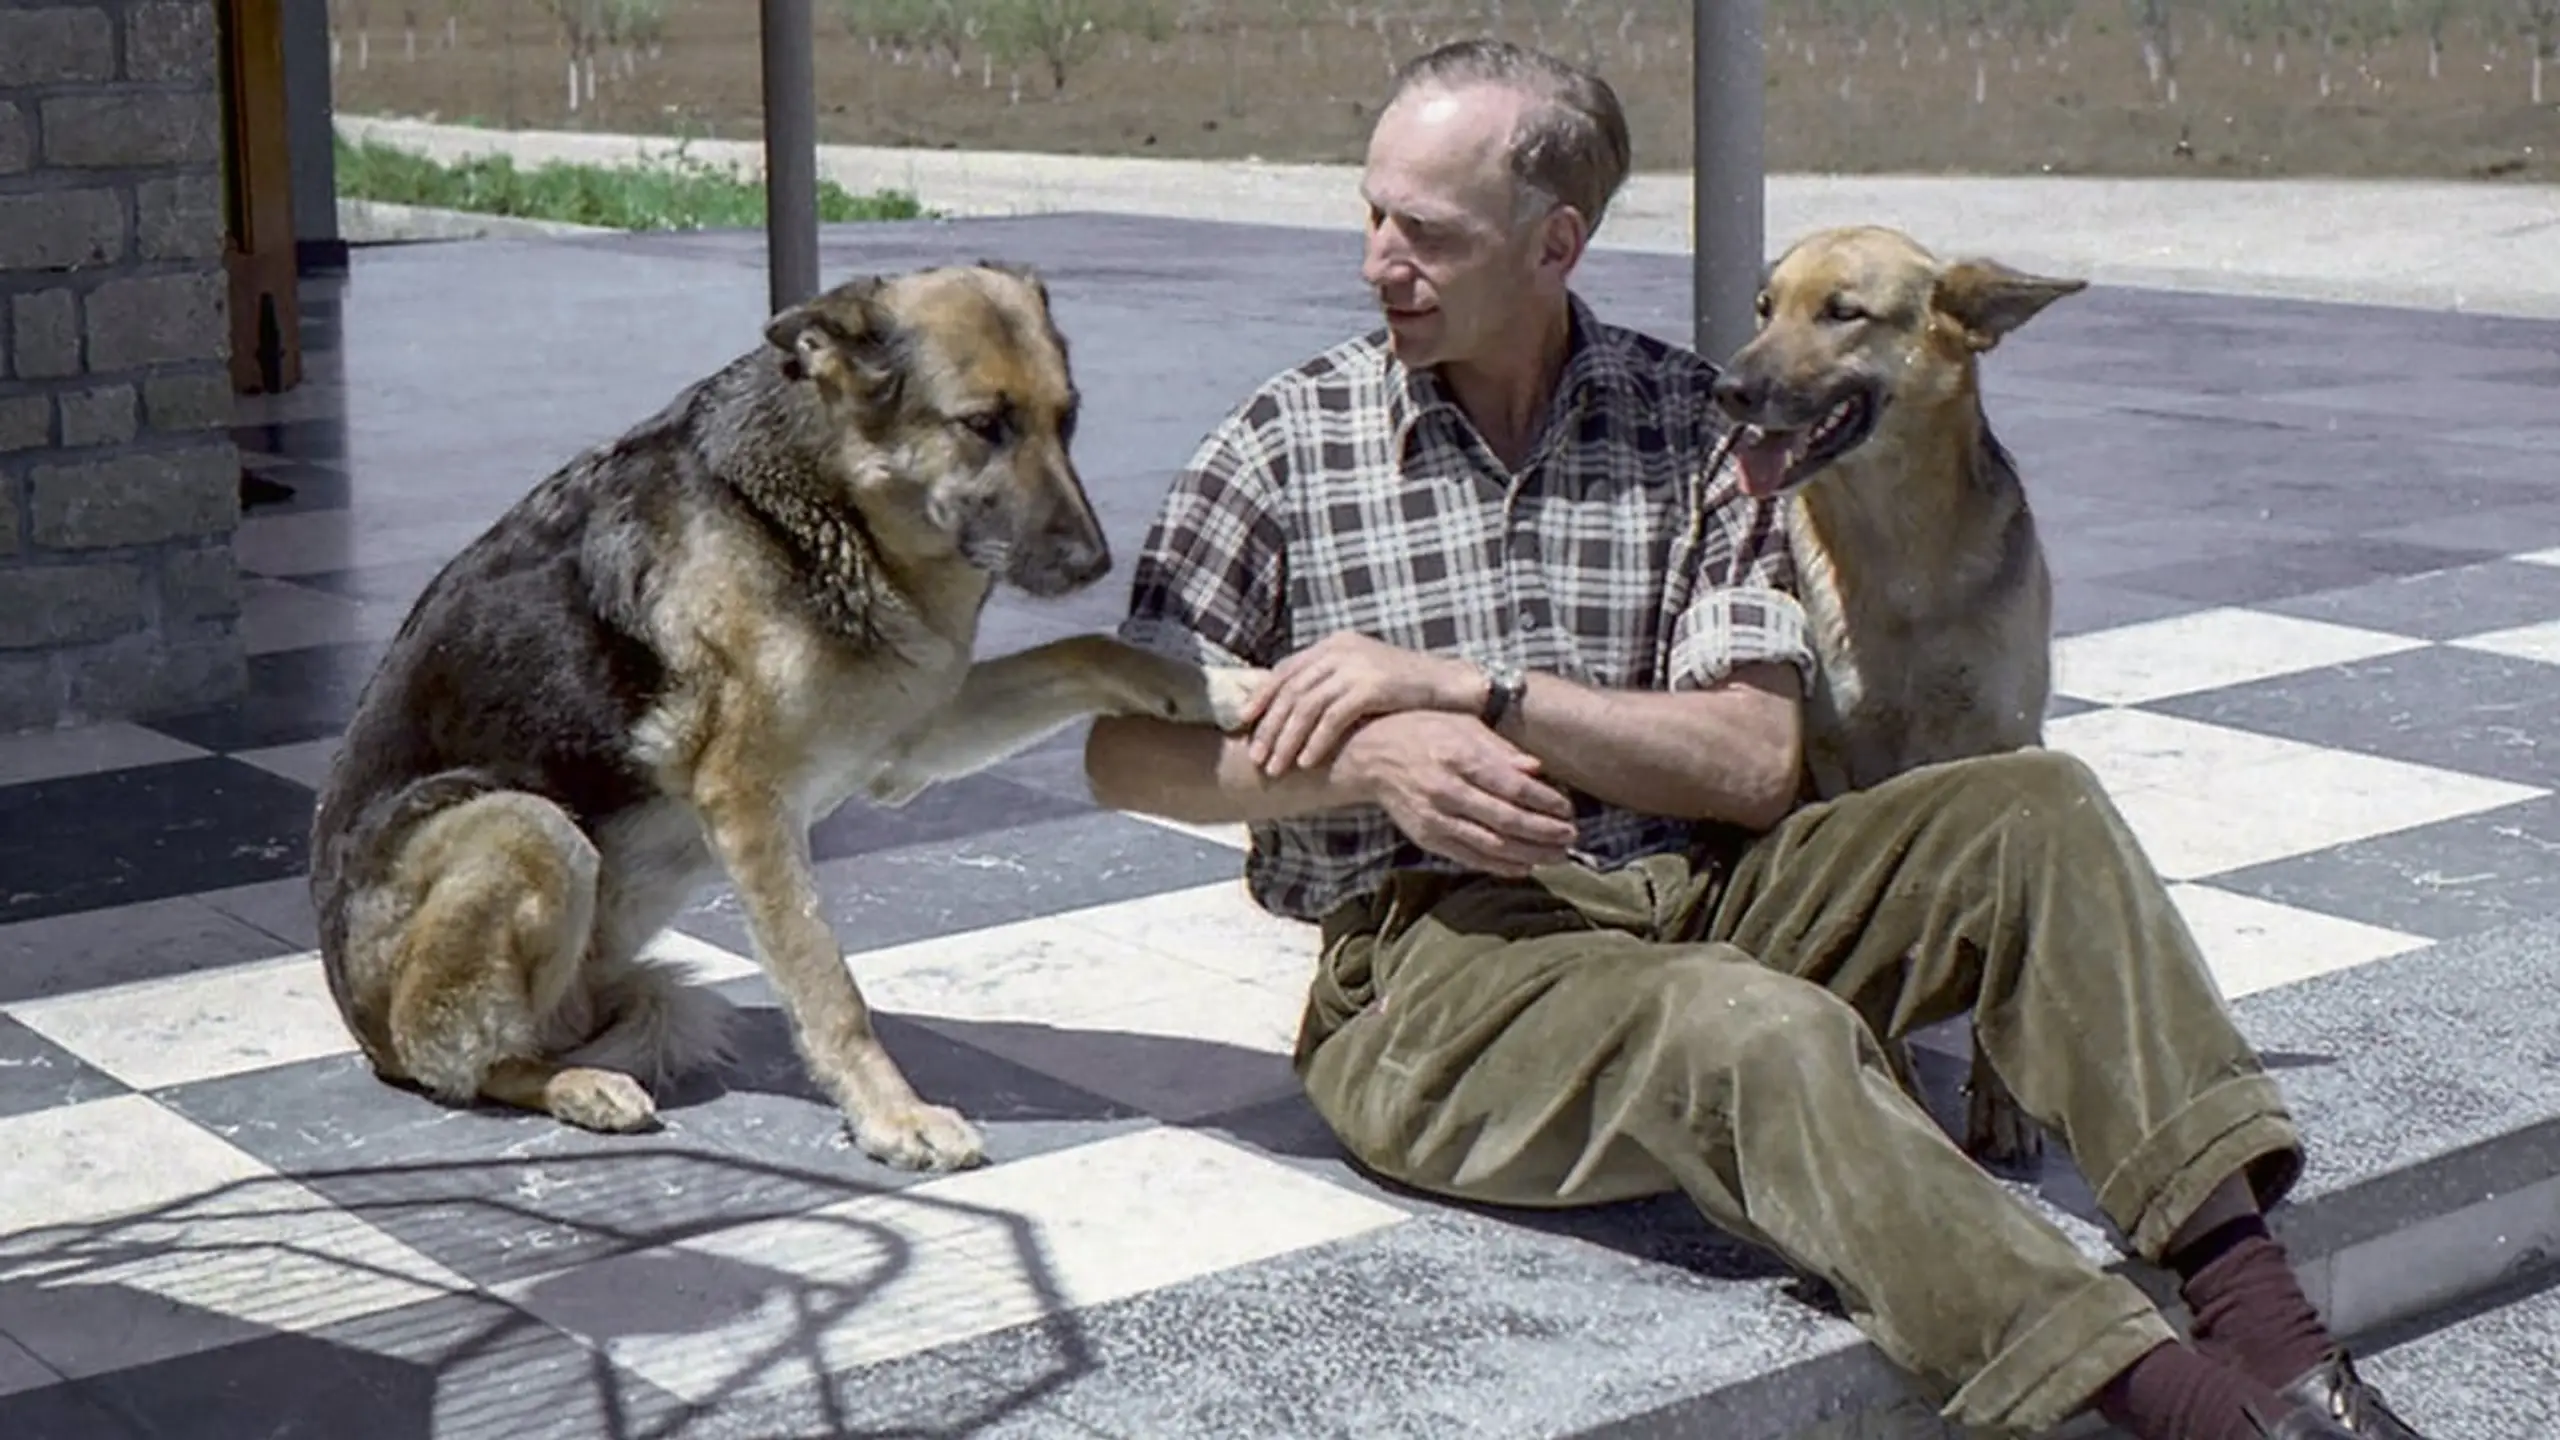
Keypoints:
(790, 154)
(1729, 228)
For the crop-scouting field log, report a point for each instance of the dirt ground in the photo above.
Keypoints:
(1854, 85)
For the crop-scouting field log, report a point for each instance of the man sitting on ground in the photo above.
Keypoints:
(1530, 758)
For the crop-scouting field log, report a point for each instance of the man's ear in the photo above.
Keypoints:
(844, 340)
(1987, 299)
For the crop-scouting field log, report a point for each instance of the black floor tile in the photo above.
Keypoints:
(2277, 572)
(293, 696)
(92, 949)
(63, 1412)
(2442, 604)
(2444, 880)
(458, 1368)
(155, 831)
(955, 810)
(36, 1074)
(2463, 710)
(891, 897)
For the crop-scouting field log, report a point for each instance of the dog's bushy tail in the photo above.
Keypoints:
(658, 1024)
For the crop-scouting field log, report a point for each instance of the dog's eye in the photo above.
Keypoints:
(988, 425)
(1760, 305)
(1841, 311)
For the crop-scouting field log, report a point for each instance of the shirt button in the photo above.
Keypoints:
(1528, 618)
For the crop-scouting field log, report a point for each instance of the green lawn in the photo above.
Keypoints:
(677, 193)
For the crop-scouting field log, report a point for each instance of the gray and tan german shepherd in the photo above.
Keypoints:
(674, 655)
(1859, 400)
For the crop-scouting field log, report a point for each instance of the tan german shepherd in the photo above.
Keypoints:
(1859, 400)
(675, 654)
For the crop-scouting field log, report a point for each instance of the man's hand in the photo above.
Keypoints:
(1315, 697)
(1460, 791)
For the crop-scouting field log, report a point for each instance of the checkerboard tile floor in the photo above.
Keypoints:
(213, 1222)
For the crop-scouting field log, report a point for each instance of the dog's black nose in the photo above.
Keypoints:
(1740, 394)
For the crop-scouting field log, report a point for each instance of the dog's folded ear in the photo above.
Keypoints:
(845, 340)
(1987, 299)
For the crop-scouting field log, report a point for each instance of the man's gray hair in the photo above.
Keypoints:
(1571, 146)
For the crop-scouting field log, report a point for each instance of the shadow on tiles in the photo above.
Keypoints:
(382, 1344)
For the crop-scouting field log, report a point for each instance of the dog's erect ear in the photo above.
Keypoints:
(1021, 272)
(845, 340)
(1987, 299)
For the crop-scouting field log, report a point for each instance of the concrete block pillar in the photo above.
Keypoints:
(119, 483)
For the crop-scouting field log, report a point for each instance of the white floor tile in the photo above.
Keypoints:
(1216, 926)
(2524, 642)
(2205, 798)
(1043, 970)
(781, 1303)
(197, 1027)
(277, 615)
(1205, 1049)
(129, 1236)
(86, 750)
(711, 964)
(1231, 836)
(2251, 815)
(2206, 650)
(2254, 944)
(2135, 750)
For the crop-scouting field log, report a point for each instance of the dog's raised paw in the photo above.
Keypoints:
(1231, 689)
(605, 1100)
(921, 1137)
(894, 787)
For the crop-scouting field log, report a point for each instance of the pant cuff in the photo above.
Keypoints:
(2238, 1127)
(2055, 1370)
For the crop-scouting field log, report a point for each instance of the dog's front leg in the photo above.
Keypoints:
(1010, 703)
(766, 854)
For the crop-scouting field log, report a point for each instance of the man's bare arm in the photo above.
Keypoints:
(1730, 752)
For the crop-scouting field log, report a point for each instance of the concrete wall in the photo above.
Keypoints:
(119, 484)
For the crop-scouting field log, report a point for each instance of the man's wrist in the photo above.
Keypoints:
(1463, 687)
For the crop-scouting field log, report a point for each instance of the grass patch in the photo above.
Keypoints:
(678, 192)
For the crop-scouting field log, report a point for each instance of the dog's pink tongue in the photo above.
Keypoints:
(1762, 461)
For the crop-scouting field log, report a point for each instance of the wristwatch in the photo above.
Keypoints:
(1503, 686)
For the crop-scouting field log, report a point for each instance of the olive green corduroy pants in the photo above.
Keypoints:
(1709, 1024)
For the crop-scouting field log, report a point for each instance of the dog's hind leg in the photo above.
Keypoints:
(505, 918)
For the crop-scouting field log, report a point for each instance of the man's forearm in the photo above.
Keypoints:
(1198, 775)
(1730, 753)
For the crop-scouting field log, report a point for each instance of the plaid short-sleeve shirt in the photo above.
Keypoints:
(1350, 493)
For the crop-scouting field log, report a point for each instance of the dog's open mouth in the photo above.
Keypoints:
(1771, 461)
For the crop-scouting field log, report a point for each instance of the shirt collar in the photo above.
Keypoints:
(1593, 367)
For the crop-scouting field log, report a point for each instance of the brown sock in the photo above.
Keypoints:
(2249, 1311)
(2176, 1393)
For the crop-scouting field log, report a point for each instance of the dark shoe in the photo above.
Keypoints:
(2334, 1393)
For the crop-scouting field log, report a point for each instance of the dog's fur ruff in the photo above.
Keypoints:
(671, 657)
(1859, 401)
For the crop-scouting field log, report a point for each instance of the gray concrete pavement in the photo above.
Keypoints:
(2492, 249)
